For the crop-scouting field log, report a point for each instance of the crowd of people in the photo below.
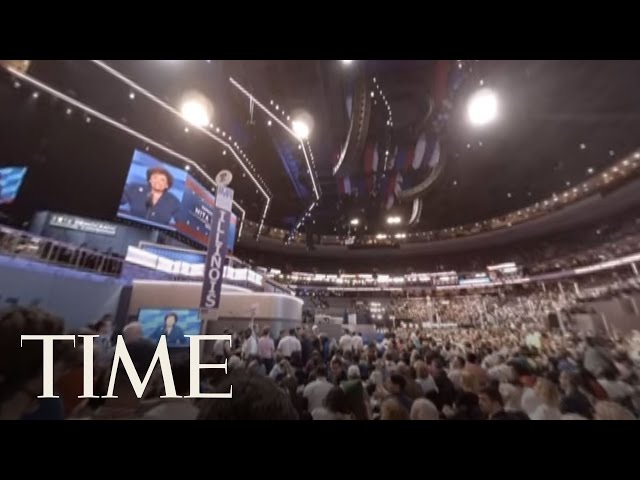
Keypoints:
(408, 373)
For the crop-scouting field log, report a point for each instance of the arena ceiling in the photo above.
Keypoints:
(558, 123)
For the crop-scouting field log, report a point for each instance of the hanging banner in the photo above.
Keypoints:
(217, 251)
(216, 254)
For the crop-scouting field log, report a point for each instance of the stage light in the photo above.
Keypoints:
(196, 109)
(16, 84)
(186, 129)
(636, 155)
(582, 146)
(483, 107)
(301, 129)
(68, 111)
(354, 221)
(269, 123)
(590, 170)
(380, 236)
(88, 120)
(394, 220)
(35, 94)
(346, 62)
(132, 95)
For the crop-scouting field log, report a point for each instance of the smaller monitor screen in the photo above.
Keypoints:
(174, 323)
(10, 181)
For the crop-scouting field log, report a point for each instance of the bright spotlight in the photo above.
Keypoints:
(483, 107)
(301, 129)
(354, 221)
(196, 109)
(394, 220)
(346, 62)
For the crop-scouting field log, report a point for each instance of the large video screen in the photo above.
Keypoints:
(174, 323)
(164, 196)
(10, 182)
(153, 192)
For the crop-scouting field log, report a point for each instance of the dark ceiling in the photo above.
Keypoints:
(557, 119)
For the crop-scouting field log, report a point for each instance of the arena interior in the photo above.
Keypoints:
(406, 239)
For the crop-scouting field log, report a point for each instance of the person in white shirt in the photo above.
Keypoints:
(549, 395)
(250, 345)
(266, 349)
(457, 369)
(346, 341)
(357, 344)
(289, 344)
(316, 391)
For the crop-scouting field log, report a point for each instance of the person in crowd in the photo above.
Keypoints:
(346, 341)
(152, 201)
(357, 343)
(424, 378)
(176, 408)
(289, 344)
(393, 409)
(261, 399)
(476, 370)
(423, 409)
(492, 406)
(573, 401)
(607, 410)
(306, 347)
(616, 389)
(466, 404)
(281, 335)
(357, 397)
(222, 348)
(316, 391)
(132, 332)
(21, 364)
(249, 349)
(549, 407)
(397, 386)
(446, 391)
(412, 388)
(336, 406)
(125, 403)
(338, 374)
(457, 368)
(266, 349)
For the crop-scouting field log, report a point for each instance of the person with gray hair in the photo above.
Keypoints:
(423, 409)
(132, 332)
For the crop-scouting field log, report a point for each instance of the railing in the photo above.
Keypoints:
(17, 243)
